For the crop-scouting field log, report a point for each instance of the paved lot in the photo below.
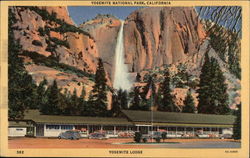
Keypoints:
(118, 143)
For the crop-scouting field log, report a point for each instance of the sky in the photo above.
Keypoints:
(79, 14)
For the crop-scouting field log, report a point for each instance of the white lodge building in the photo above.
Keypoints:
(175, 124)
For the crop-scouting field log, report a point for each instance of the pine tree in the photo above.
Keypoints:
(20, 84)
(233, 55)
(99, 99)
(166, 103)
(213, 97)
(74, 104)
(41, 97)
(53, 104)
(116, 106)
(90, 109)
(237, 124)
(204, 91)
(135, 105)
(138, 77)
(122, 98)
(82, 102)
(189, 103)
(146, 103)
(64, 102)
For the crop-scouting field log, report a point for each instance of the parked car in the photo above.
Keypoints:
(203, 135)
(111, 134)
(84, 134)
(152, 135)
(226, 136)
(70, 135)
(98, 136)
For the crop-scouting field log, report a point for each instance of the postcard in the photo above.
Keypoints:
(116, 78)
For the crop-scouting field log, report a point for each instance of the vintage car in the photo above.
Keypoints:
(98, 135)
(73, 135)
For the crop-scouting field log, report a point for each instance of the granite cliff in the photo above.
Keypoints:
(55, 48)
(158, 36)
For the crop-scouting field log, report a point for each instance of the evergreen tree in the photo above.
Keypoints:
(204, 91)
(41, 97)
(148, 101)
(166, 103)
(136, 99)
(82, 102)
(90, 109)
(116, 106)
(99, 99)
(74, 104)
(220, 90)
(64, 105)
(189, 103)
(20, 84)
(64, 102)
(52, 106)
(237, 124)
(122, 98)
(213, 97)
(138, 77)
(233, 54)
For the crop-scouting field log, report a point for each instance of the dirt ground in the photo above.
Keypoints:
(15, 143)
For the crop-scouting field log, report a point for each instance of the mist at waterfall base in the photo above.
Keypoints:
(121, 77)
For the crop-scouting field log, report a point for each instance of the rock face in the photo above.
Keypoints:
(104, 29)
(62, 13)
(157, 36)
(37, 33)
(81, 52)
(152, 37)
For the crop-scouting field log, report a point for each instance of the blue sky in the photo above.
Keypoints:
(83, 13)
(79, 14)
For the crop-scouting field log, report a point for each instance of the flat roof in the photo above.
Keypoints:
(178, 118)
(134, 117)
(19, 124)
(76, 120)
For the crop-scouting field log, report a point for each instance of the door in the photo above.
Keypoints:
(40, 130)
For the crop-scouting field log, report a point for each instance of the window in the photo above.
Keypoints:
(52, 126)
(67, 127)
(19, 129)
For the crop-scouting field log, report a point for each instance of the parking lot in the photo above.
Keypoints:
(25, 142)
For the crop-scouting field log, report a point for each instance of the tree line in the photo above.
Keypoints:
(24, 94)
(212, 93)
(49, 99)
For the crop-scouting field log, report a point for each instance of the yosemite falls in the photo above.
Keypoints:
(121, 77)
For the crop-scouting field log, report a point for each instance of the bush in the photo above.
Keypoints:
(137, 137)
(41, 31)
(158, 139)
(37, 43)
(53, 63)
(59, 42)
(164, 135)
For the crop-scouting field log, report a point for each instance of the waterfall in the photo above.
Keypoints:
(121, 77)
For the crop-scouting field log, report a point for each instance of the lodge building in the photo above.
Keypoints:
(175, 124)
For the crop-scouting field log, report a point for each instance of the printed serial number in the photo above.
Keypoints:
(20, 152)
(231, 151)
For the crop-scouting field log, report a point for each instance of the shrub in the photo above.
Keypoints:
(164, 135)
(37, 43)
(137, 137)
(41, 31)
(60, 42)
(158, 139)
(53, 63)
